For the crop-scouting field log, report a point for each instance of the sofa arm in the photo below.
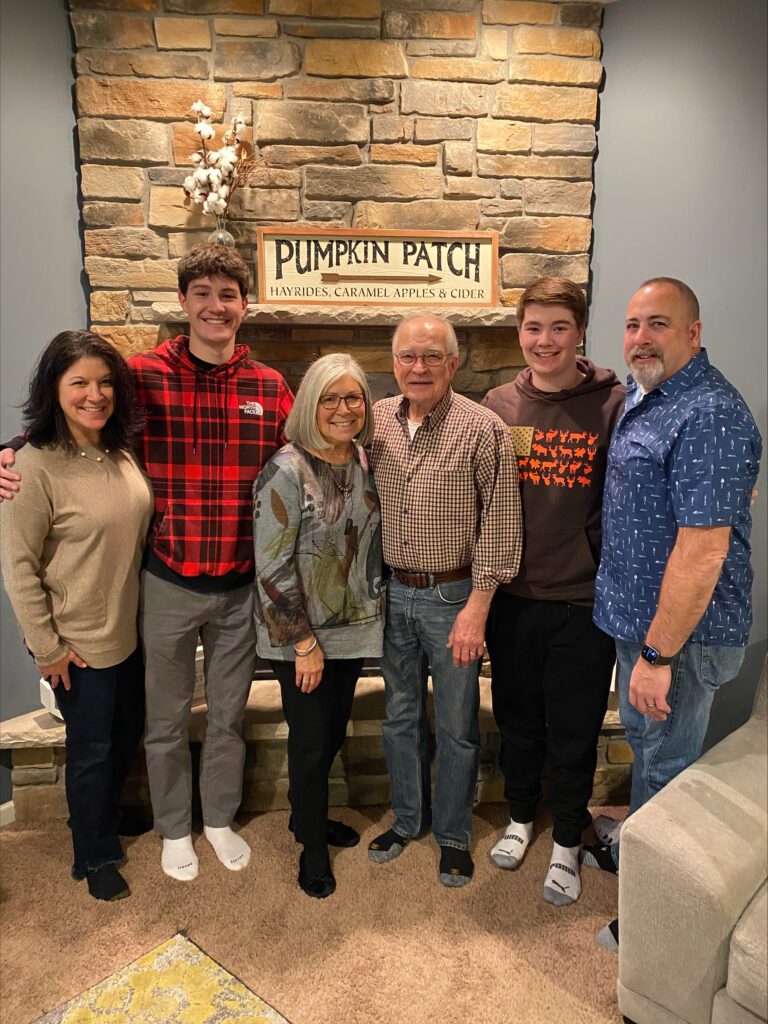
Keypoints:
(691, 860)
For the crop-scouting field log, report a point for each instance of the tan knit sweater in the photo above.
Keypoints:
(70, 551)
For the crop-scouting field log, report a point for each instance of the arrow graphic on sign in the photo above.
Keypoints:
(334, 278)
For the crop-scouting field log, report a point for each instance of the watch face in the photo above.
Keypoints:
(650, 654)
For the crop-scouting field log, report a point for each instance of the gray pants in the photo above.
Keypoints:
(170, 619)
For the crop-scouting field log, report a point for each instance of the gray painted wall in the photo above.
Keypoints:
(40, 249)
(680, 186)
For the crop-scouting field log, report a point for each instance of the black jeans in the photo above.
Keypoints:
(551, 673)
(104, 716)
(317, 725)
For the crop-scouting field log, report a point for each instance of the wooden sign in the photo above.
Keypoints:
(357, 266)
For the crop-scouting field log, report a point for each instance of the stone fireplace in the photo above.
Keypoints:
(456, 115)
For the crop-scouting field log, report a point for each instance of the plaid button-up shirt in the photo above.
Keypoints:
(449, 497)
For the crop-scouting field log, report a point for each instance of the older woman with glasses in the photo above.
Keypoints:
(317, 538)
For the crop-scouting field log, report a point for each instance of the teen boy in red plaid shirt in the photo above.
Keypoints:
(214, 417)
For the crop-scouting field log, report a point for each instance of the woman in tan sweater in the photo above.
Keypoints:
(72, 543)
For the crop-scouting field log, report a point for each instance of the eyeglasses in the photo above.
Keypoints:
(332, 402)
(428, 358)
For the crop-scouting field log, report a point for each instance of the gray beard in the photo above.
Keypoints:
(648, 376)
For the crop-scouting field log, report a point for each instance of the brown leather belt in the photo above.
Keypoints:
(421, 580)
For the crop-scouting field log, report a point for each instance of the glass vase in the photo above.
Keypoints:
(221, 236)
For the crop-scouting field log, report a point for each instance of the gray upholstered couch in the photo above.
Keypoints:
(693, 900)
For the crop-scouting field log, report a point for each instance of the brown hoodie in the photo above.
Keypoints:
(561, 440)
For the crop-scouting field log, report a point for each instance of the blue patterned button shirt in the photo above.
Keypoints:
(685, 454)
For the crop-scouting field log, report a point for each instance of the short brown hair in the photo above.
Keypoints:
(554, 291)
(686, 294)
(212, 261)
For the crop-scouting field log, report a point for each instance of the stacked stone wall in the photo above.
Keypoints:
(422, 114)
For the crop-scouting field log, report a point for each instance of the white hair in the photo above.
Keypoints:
(301, 425)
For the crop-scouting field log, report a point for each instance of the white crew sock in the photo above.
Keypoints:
(607, 829)
(563, 884)
(510, 849)
(179, 859)
(233, 852)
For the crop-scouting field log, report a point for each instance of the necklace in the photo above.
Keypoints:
(94, 458)
(342, 485)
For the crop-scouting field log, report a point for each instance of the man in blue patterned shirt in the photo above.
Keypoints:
(674, 583)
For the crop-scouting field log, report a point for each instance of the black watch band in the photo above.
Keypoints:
(652, 656)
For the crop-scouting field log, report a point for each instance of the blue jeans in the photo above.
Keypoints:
(663, 749)
(416, 633)
(104, 716)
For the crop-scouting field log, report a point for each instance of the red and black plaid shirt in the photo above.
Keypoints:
(207, 436)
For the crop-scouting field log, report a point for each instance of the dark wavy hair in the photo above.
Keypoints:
(207, 260)
(44, 422)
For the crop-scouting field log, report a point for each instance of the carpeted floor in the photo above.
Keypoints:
(392, 946)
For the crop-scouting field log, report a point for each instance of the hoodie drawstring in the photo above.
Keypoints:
(194, 416)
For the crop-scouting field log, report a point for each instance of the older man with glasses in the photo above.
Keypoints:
(452, 532)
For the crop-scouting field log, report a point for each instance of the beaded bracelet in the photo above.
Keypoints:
(303, 654)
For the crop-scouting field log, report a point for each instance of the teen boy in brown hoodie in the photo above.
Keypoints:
(551, 666)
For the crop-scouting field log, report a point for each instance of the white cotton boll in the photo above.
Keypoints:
(215, 179)
(201, 175)
(189, 183)
(204, 130)
(213, 157)
(219, 207)
(223, 191)
(196, 158)
(200, 108)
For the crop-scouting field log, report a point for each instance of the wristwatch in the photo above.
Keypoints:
(652, 656)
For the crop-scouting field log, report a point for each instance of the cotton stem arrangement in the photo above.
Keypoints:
(217, 172)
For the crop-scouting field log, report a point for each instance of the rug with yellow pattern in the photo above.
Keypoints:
(176, 983)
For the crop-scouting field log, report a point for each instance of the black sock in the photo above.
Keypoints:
(106, 883)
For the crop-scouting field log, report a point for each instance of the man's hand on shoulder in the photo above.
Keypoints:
(648, 689)
(9, 481)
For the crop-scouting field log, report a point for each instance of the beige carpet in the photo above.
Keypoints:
(392, 946)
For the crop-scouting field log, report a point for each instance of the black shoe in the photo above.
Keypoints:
(319, 886)
(456, 867)
(337, 833)
(106, 883)
(599, 856)
(386, 847)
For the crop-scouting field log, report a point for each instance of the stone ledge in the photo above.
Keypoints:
(358, 775)
(356, 315)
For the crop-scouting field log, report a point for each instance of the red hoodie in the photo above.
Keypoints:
(208, 433)
(561, 440)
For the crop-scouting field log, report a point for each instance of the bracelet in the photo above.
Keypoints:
(303, 654)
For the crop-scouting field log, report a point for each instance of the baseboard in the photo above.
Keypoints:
(7, 814)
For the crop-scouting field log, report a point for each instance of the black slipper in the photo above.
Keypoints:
(337, 833)
(340, 834)
(318, 887)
